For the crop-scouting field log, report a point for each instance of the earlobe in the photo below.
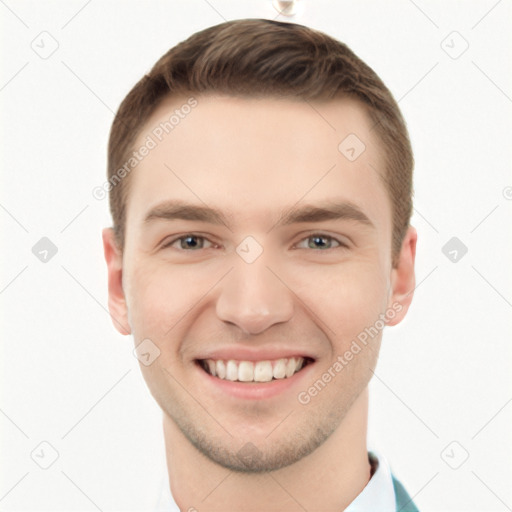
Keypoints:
(403, 279)
(116, 299)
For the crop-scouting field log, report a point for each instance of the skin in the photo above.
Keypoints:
(253, 159)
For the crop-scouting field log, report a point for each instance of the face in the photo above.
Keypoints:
(256, 254)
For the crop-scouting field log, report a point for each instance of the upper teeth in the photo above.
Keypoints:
(250, 371)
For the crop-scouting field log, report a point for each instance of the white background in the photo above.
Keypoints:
(69, 379)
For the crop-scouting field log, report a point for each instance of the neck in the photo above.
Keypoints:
(328, 479)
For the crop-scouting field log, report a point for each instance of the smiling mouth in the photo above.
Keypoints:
(254, 371)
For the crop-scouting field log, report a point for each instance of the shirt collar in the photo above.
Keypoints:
(378, 494)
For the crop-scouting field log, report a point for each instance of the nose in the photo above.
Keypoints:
(254, 298)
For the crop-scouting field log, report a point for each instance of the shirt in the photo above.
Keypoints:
(383, 493)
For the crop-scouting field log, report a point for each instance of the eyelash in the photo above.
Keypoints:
(312, 235)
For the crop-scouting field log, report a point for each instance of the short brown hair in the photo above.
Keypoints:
(258, 57)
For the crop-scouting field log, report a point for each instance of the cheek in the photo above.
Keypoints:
(158, 297)
(345, 300)
(342, 299)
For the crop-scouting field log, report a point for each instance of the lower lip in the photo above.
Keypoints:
(256, 390)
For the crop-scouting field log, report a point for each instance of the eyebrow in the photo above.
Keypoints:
(330, 210)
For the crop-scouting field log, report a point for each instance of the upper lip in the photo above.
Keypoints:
(255, 354)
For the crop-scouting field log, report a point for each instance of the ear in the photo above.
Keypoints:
(403, 279)
(116, 299)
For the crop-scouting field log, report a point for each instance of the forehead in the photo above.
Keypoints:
(257, 156)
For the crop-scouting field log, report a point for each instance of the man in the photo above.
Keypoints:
(260, 185)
